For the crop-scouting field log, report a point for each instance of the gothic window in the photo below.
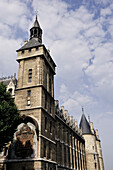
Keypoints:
(94, 156)
(95, 165)
(10, 90)
(44, 149)
(64, 154)
(30, 76)
(45, 101)
(50, 127)
(45, 123)
(49, 82)
(35, 32)
(49, 152)
(29, 93)
(50, 105)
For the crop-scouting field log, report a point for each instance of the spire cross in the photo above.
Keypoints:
(89, 117)
(36, 12)
(82, 110)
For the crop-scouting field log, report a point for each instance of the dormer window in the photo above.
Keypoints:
(30, 75)
(29, 50)
(22, 51)
(36, 48)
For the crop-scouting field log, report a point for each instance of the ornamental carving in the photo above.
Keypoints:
(24, 142)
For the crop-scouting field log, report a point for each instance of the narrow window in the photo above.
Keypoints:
(35, 32)
(50, 105)
(10, 90)
(45, 101)
(94, 156)
(22, 51)
(50, 127)
(50, 83)
(29, 93)
(28, 102)
(30, 76)
(45, 123)
(49, 152)
(95, 165)
(44, 149)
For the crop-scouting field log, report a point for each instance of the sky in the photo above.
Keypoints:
(79, 35)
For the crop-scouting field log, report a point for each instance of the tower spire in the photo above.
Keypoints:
(36, 31)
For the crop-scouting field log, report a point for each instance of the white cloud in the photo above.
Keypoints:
(80, 45)
(8, 63)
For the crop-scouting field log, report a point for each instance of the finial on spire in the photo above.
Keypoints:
(82, 110)
(89, 118)
(36, 12)
(36, 31)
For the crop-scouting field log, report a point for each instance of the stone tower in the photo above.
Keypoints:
(93, 149)
(35, 99)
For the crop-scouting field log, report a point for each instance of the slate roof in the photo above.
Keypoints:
(84, 125)
(7, 81)
(30, 44)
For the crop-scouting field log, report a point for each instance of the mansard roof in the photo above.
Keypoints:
(84, 125)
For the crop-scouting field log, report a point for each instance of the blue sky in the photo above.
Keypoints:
(79, 34)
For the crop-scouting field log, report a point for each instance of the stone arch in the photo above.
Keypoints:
(26, 138)
(31, 119)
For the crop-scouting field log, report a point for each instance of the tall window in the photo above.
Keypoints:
(50, 105)
(28, 102)
(95, 165)
(45, 123)
(30, 76)
(44, 149)
(50, 127)
(45, 101)
(10, 90)
(29, 93)
(49, 82)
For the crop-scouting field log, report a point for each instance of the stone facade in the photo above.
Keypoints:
(47, 138)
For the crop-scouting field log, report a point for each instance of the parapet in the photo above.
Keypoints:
(69, 120)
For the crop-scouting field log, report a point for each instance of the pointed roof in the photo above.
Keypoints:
(36, 23)
(84, 125)
(30, 44)
(35, 36)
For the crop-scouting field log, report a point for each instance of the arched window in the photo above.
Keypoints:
(30, 75)
(10, 90)
(35, 32)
